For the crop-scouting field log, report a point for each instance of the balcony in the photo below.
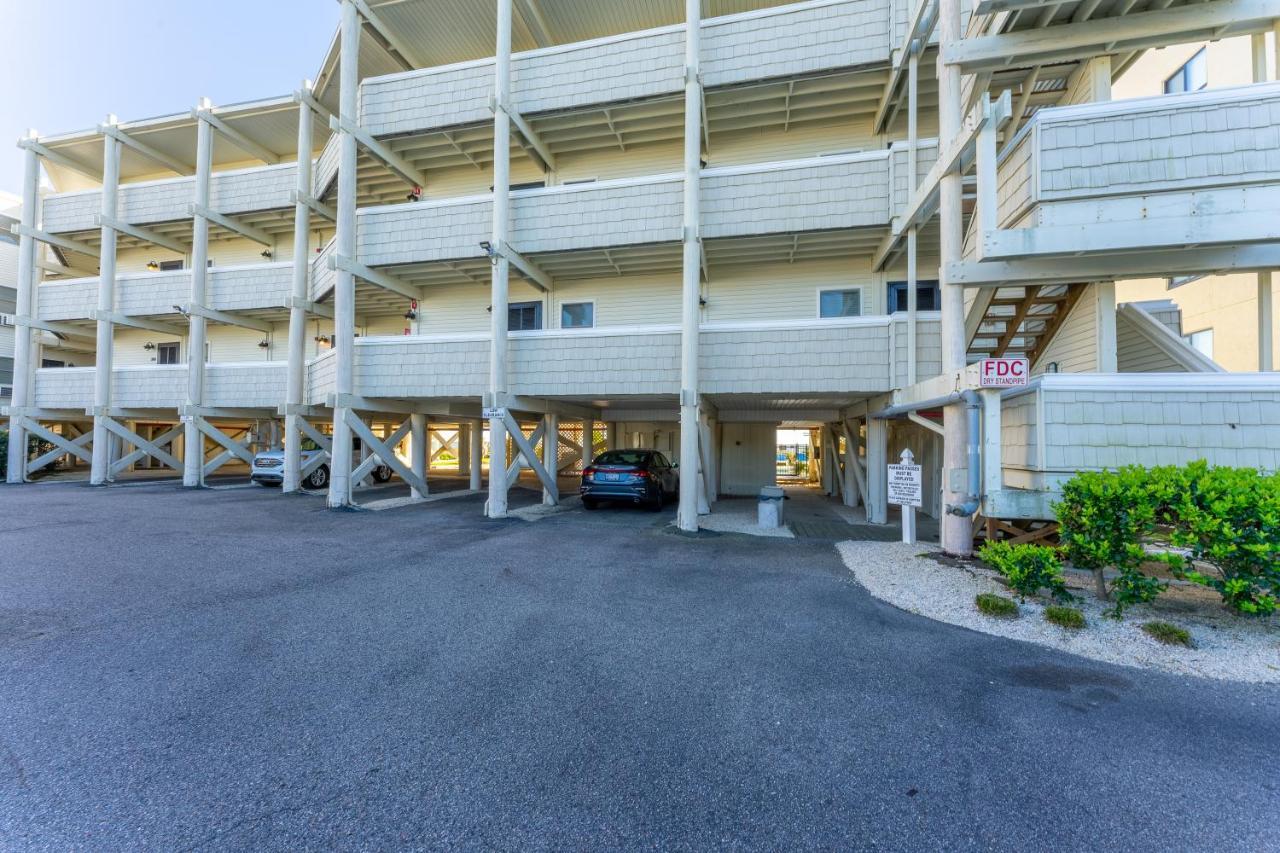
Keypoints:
(151, 202)
(860, 355)
(844, 193)
(1162, 176)
(781, 42)
(250, 385)
(250, 287)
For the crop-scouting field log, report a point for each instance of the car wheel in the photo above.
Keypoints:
(319, 478)
(655, 503)
(590, 503)
(382, 474)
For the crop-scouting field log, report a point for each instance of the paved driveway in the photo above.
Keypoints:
(243, 670)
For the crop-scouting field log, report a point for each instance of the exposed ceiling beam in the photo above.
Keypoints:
(534, 22)
(388, 35)
(171, 163)
(1087, 39)
(55, 240)
(138, 323)
(376, 277)
(393, 161)
(255, 234)
(61, 159)
(144, 234)
(527, 268)
(531, 136)
(226, 319)
(237, 138)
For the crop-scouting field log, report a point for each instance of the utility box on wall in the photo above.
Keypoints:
(748, 458)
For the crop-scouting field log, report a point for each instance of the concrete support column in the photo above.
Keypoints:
(588, 441)
(421, 449)
(877, 470)
(475, 435)
(550, 453)
(296, 377)
(496, 507)
(687, 513)
(1106, 326)
(100, 471)
(344, 294)
(957, 530)
(851, 462)
(611, 436)
(26, 306)
(193, 441)
(464, 450)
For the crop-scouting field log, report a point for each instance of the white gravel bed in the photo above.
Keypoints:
(740, 517)
(1233, 650)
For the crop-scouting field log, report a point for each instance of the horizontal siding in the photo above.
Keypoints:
(67, 300)
(1075, 346)
(1105, 429)
(589, 364)
(245, 386)
(1135, 353)
(815, 359)
(1177, 142)
(611, 215)
(782, 43)
(150, 387)
(262, 286)
(64, 388)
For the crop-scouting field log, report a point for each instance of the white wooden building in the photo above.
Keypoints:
(680, 225)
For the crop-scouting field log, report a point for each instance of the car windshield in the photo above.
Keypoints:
(623, 457)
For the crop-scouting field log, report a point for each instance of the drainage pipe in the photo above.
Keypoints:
(973, 410)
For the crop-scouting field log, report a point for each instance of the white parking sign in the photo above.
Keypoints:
(906, 486)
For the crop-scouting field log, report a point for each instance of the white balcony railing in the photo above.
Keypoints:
(249, 287)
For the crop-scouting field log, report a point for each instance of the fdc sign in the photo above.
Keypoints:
(1003, 372)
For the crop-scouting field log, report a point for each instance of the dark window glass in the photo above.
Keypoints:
(928, 297)
(6, 370)
(840, 303)
(166, 353)
(524, 316)
(624, 457)
(170, 266)
(1191, 77)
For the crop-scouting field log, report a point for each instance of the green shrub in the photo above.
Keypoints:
(1064, 617)
(1027, 568)
(1167, 633)
(1103, 519)
(996, 606)
(1229, 520)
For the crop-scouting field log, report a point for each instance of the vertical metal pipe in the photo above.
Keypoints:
(344, 296)
(100, 472)
(687, 513)
(957, 531)
(296, 379)
(26, 307)
(497, 504)
(193, 441)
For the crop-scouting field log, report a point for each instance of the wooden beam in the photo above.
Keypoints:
(317, 207)
(305, 96)
(526, 130)
(257, 235)
(138, 323)
(388, 34)
(366, 467)
(76, 448)
(316, 308)
(228, 319)
(1074, 292)
(393, 161)
(70, 271)
(61, 159)
(171, 163)
(1013, 322)
(138, 232)
(54, 240)
(380, 279)
(237, 138)
(366, 435)
(527, 268)
(151, 449)
(526, 450)
(1211, 20)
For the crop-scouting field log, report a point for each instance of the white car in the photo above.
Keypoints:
(268, 467)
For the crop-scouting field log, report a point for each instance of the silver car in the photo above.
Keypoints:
(268, 467)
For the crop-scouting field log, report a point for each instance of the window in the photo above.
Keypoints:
(577, 315)
(524, 316)
(840, 303)
(170, 266)
(8, 300)
(6, 370)
(928, 298)
(1191, 77)
(52, 362)
(167, 353)
(1201, 340)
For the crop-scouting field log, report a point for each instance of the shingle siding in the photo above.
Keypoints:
(64, 388)
(245, 385)
(150, 387)
(67, 300)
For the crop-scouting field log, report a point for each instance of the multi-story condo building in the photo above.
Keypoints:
(9, 210)
(687, 223)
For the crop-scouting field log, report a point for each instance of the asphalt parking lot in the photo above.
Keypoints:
(243, 670)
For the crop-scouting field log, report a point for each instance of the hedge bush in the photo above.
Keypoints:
(1225, 520)
(1027, 568)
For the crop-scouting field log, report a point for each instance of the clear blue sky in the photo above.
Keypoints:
(66, 64)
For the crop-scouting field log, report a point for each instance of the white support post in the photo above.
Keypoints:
(100, 471)
(851, 463)
(193, 442)
(877, 471)
(588, 441)
(705, 474)
(464, 450)
(687, 512)
(475, 435)
(611, 436)
(296, 378)
(908, 512)
(992, 463)
(421, 449)
(551, 454)
(344, 296)
(913, 83)
(1105, 302)
(1266, 323)
(26, 306)
(957, 531)
(496, 507)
